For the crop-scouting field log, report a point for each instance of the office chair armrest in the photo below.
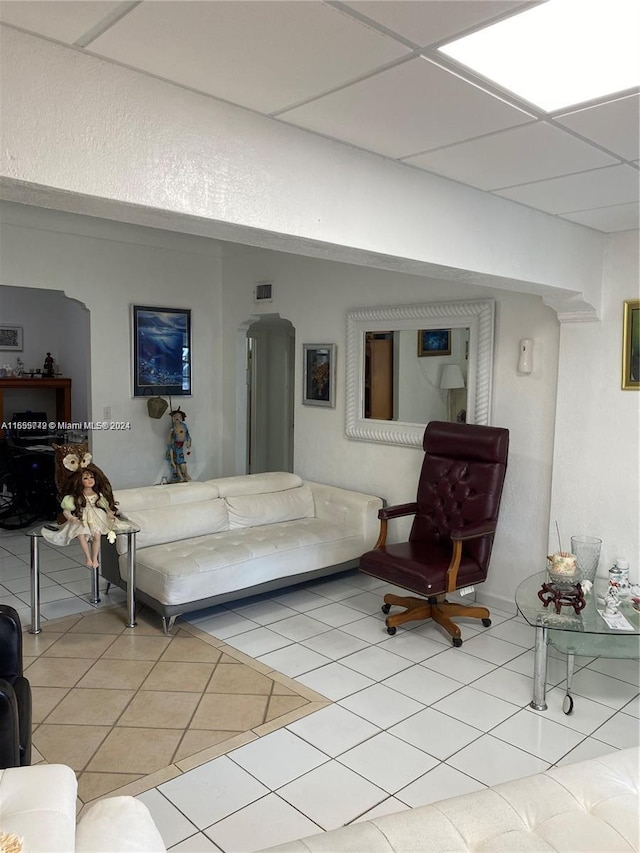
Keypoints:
(387, 512)
(473, 531)
(9, 727)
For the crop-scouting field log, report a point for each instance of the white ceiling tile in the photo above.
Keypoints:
(599, 188)
(615, 125)
(424, 23)
(262, 55)
(618, 217)
(64, 20)
(531, 152)
(406, 109)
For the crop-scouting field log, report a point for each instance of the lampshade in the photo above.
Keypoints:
(451, 377)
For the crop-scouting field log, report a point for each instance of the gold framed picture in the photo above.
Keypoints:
(631, 345)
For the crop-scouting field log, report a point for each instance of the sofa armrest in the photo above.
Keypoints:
(118, 823)
(355, 510)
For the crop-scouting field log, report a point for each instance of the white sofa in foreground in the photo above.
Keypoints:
(588, 807)
(204, 543)
(38, 805)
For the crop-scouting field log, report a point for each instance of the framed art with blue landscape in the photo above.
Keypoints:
(161, 351)
(434, 342)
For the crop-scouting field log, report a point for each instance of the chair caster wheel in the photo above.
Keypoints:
(457, 642)
(391, 631)
(386, 608)
(486, 622)
(567, 704)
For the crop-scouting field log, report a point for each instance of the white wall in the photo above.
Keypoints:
(315, 296)
(108, 267)
(596, 467)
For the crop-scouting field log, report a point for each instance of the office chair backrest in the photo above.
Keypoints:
(460, 483)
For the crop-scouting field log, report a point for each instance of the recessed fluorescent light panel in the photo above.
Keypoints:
(558, 54)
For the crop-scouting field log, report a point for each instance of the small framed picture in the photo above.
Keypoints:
(319, 382)
(434, 342)
(11, 338)
(631, 345)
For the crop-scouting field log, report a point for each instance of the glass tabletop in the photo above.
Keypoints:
(124, 526)
(588, 621)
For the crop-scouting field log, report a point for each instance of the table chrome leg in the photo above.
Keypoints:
(540, 670)
(35, 586)
(95, 587)
(131, 580)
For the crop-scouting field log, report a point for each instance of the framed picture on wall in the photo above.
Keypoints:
(631, 345)
(161, 351)
(434, 342)
(11, 338)
(319, 381)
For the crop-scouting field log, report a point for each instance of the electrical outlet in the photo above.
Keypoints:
(106, 413)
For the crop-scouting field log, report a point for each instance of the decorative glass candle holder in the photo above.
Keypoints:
(587, 551)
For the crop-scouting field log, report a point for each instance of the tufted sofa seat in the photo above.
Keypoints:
(590, 806)
(203, 543)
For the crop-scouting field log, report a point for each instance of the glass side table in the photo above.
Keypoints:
(35, 536)
(583, 634)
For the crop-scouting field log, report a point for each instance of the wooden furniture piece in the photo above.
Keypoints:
(455, 517)
(379, 376)
(61, 385)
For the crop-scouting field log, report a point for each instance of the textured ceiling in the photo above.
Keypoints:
(368, 73)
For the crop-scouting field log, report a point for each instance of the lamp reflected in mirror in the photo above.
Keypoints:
(451, 380)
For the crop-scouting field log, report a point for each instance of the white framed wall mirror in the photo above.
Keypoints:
(410, 364)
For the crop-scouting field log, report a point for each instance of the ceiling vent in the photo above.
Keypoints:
(263, 291)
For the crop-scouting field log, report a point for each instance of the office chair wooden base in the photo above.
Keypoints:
(436, 608)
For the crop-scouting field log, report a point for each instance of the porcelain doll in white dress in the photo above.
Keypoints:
(88, 514)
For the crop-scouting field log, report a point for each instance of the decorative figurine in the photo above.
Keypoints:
(19, 371)
(88, 514)
(179, 446)
(48, 366)
(612, 602)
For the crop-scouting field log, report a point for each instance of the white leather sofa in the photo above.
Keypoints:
(204, 543)
(591, 806)
(38, 805)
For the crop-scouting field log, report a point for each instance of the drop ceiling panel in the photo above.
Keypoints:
(531, 152)
(615, 125)
(262, 55)
(425, 23)
(405, 110)
(599, 188)
(618, 217)
(64, 20)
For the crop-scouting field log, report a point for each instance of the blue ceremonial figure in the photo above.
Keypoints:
(179, 446)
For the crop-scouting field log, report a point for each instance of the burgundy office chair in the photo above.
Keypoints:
(456, 512)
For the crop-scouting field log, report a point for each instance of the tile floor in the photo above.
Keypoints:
(412, 719)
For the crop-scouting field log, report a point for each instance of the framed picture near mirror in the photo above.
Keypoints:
(434, 342)
(319, 375)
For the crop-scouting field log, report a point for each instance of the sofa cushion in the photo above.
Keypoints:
(256, 484)
(256, 510)
(175, 522)
(168, 494)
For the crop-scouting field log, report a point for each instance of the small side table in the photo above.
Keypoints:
(35, 535)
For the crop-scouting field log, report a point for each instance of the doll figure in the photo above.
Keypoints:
(179, 445)
(88, 512)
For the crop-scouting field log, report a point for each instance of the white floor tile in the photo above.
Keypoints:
(367, 602)
(64, 607)
(602, 688)
(381, 705)
(198, 843)
(589, 748)
(262, 824)
(337, 589)
(21, 600)
(263, 612)
(455, 664)
(514, 632)
(213, 791)
(491, 649)
(538, 735)
(492, 761)
(335, 614)
(301, 599)
(414, 647)
(335, 644)
(438, 734)
(299, 627)
(333, 729)
(226, 624)
(334, 680)
(626, 670)
(587, 715)
(621, 731)
(422, 684)
(369, 628)
(388, 762)
(556, 668)
(278, 758)
(366, 582)
(332, 795)
(388, 806)
(633, 707)
(294, 660)
(508, 685)
(476, 708)
(438, 784)
(376, 663)
(172, 825)
(258, 642)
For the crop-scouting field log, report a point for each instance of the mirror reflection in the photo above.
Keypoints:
(416, 375)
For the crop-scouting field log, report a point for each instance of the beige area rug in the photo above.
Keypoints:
(131, 708)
